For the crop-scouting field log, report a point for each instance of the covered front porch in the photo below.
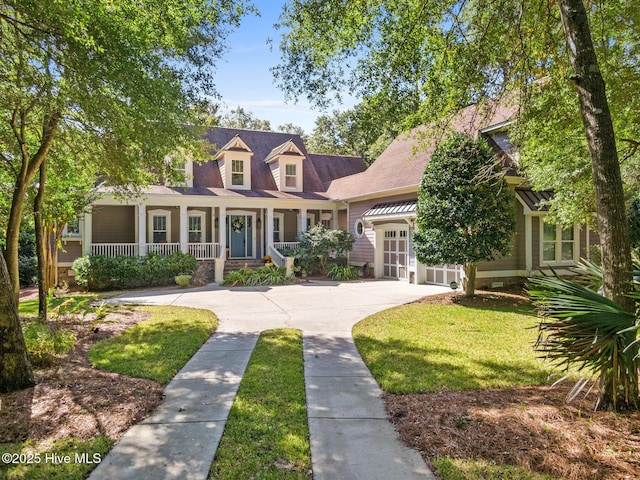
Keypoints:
(208, 232)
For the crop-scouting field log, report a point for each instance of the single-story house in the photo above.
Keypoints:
(260, 189)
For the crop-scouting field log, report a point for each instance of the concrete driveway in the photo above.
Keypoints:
(349, 433)
(315, 306)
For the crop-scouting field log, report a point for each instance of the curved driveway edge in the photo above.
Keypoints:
(349, 433)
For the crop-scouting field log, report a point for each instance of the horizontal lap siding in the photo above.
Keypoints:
(363, 248)
(516, 259)
(72, 250)
(114, 224)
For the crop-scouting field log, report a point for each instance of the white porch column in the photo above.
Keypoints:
(269, 229)
(184, 229)
(87, 233)
(222, 231)
(334, 219)
(142, 229)
(303, 220)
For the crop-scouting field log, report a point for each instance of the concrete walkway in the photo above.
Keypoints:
(349, 432)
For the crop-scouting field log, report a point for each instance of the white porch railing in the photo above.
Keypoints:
(163, 248)
(285, 245)
(276, 257)
(115, 249)
(204, 251)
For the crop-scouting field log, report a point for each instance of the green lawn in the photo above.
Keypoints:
(266, 435)
(158, 347)
(78, 303)
(426, 348)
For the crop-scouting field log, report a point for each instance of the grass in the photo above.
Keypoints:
(266, 435)
(427, 348)
(74, 459)
(455, 469)
(158, 347)
(78, 303)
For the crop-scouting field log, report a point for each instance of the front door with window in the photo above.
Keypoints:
(240, 230)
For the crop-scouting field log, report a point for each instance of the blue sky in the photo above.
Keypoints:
(243, 77)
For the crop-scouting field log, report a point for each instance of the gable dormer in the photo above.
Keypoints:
(234, 161)
(285, 162)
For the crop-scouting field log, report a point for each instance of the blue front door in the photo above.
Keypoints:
(240, 230)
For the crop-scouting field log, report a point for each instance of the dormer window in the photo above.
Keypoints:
(290, 176)
(285, 162)
(237, 173)
(234, 160)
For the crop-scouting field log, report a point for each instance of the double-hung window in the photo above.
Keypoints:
(290, 175)
(237, 173)
(195, 229)
(160, 232)
(559, 245)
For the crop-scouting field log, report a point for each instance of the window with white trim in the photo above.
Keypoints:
(159, 228)
(195, 229)
(237, 173)
(290, 175)
(73, 229)
(358, 228)
(558, 244)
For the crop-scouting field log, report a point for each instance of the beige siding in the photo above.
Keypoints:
(114, 224)
(71, 251)
(516, 259)
(275, 171)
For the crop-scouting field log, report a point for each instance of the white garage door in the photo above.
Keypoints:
(443, 274)
(396, 253)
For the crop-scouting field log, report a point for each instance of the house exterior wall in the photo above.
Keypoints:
(364, 247)
(72, 250)
(114, 224)
(516, 259)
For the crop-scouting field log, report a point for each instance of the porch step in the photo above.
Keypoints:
(237, 264)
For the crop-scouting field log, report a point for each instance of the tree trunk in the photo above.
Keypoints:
(610, 206)
(30, 165)
(470, 269)
(15, 369)
(41, 248)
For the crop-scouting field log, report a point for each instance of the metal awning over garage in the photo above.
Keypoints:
(385, 211)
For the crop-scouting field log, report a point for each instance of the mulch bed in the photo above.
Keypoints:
(73, 399)
(529, 426)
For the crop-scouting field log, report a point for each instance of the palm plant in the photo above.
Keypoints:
(583, 329)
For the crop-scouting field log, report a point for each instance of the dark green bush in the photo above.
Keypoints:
(97, 272)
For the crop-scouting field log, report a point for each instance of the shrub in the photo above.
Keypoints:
(319, 244)
(342, 272)
(44, 343)
(261, 276)
(183, 280)
(97, 272)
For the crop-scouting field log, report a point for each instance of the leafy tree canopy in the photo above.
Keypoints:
(240, 118)
(436, 56)
(465, 211)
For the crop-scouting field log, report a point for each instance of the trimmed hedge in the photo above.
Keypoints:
(97, 272)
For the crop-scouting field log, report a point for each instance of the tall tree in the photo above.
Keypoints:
(455, 53)
(15, 369)
(464, 215)
(240, 118)
(125, 73)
